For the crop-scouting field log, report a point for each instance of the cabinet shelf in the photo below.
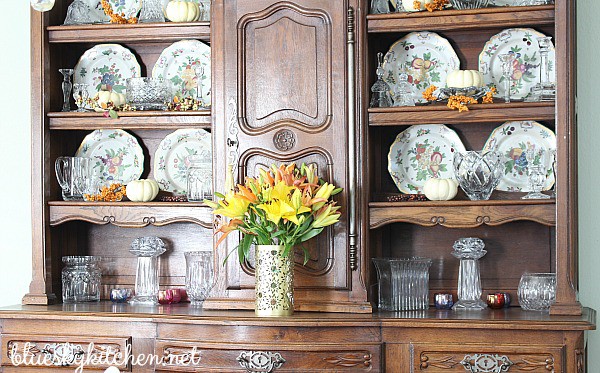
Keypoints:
(131, 214)
(463, 213)
(140, 32)
(461, 19)
(131, 120)
(440, 114)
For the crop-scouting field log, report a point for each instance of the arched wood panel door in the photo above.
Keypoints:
(281, 96)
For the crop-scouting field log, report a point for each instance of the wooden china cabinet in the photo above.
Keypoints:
(290, 82)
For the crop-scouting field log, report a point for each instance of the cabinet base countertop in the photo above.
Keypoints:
(186, 338)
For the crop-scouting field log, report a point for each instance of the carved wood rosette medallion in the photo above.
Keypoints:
(284, 140)
(260, 361)
(352, 360)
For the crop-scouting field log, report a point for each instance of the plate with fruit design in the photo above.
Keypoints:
(421, 152)
(186, 63)
(116, 155)
(129, 8)
(106, 67)
(171, 158)
(425, 56)
(522, 42)
(512, 139)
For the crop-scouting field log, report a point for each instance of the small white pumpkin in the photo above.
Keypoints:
(409, 5)
(464, 79)
(182, 11)
(142, 190)
(438, 189)
(103, 97)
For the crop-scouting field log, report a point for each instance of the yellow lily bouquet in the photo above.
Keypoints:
(285, 206)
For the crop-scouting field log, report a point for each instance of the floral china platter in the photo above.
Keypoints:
(116, 155)
(178, 63)
(426, 57)
(512, 139)
(128, 7)
(171, 158)
(522, 42)
(421, 152)
(106, 67)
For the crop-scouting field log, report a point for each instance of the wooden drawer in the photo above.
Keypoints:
(52, 352)
(478, 358)
(217, 357)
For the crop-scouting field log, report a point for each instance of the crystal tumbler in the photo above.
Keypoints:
(81, 279)
(403, 283)
(537, 291)
(198, 275)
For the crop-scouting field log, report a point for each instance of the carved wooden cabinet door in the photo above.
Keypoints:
(281, 95)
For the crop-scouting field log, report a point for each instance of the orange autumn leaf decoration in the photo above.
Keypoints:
(460, 102)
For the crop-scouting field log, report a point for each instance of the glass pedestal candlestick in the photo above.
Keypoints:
(469, 251)
(147, 249)
(67, 86)
(507, 72)
(380, 91)
(545, 89)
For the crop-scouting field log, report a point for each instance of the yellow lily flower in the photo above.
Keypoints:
(324, 192)
(281, 191)
(326, 217)
(297, 202)
(233, 206)
(277, 210)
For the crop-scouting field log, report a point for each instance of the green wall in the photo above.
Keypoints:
(15, 245)
(588, 54)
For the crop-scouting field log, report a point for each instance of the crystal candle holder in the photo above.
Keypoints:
(147, 249)
(148, 93)
(443, 301)
(469, 251)
(537, 291)
(81, 279)
(120, 295)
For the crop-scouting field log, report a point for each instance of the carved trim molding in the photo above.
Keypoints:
(442, 362)
(580, 360)
(260, 361)
(351, 360)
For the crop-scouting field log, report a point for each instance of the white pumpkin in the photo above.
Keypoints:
(182, 11)
(409, 5)
(142, 190)
(438, 189)
(104, 97)
(464, 79)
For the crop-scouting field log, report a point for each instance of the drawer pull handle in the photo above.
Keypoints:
(486, 363)
(260, 361)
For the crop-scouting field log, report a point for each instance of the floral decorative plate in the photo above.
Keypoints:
(115, 154)
(106, 67)
(421, 152)
(512, 139)
(523, 43)
(178, 62)
(425, 56)
(128, 7)
(170, 159)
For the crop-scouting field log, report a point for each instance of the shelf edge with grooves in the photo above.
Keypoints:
(130, 214)
(130, 120)
(157, 32)
(461, 19)
(440, 114)
(461, 215)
